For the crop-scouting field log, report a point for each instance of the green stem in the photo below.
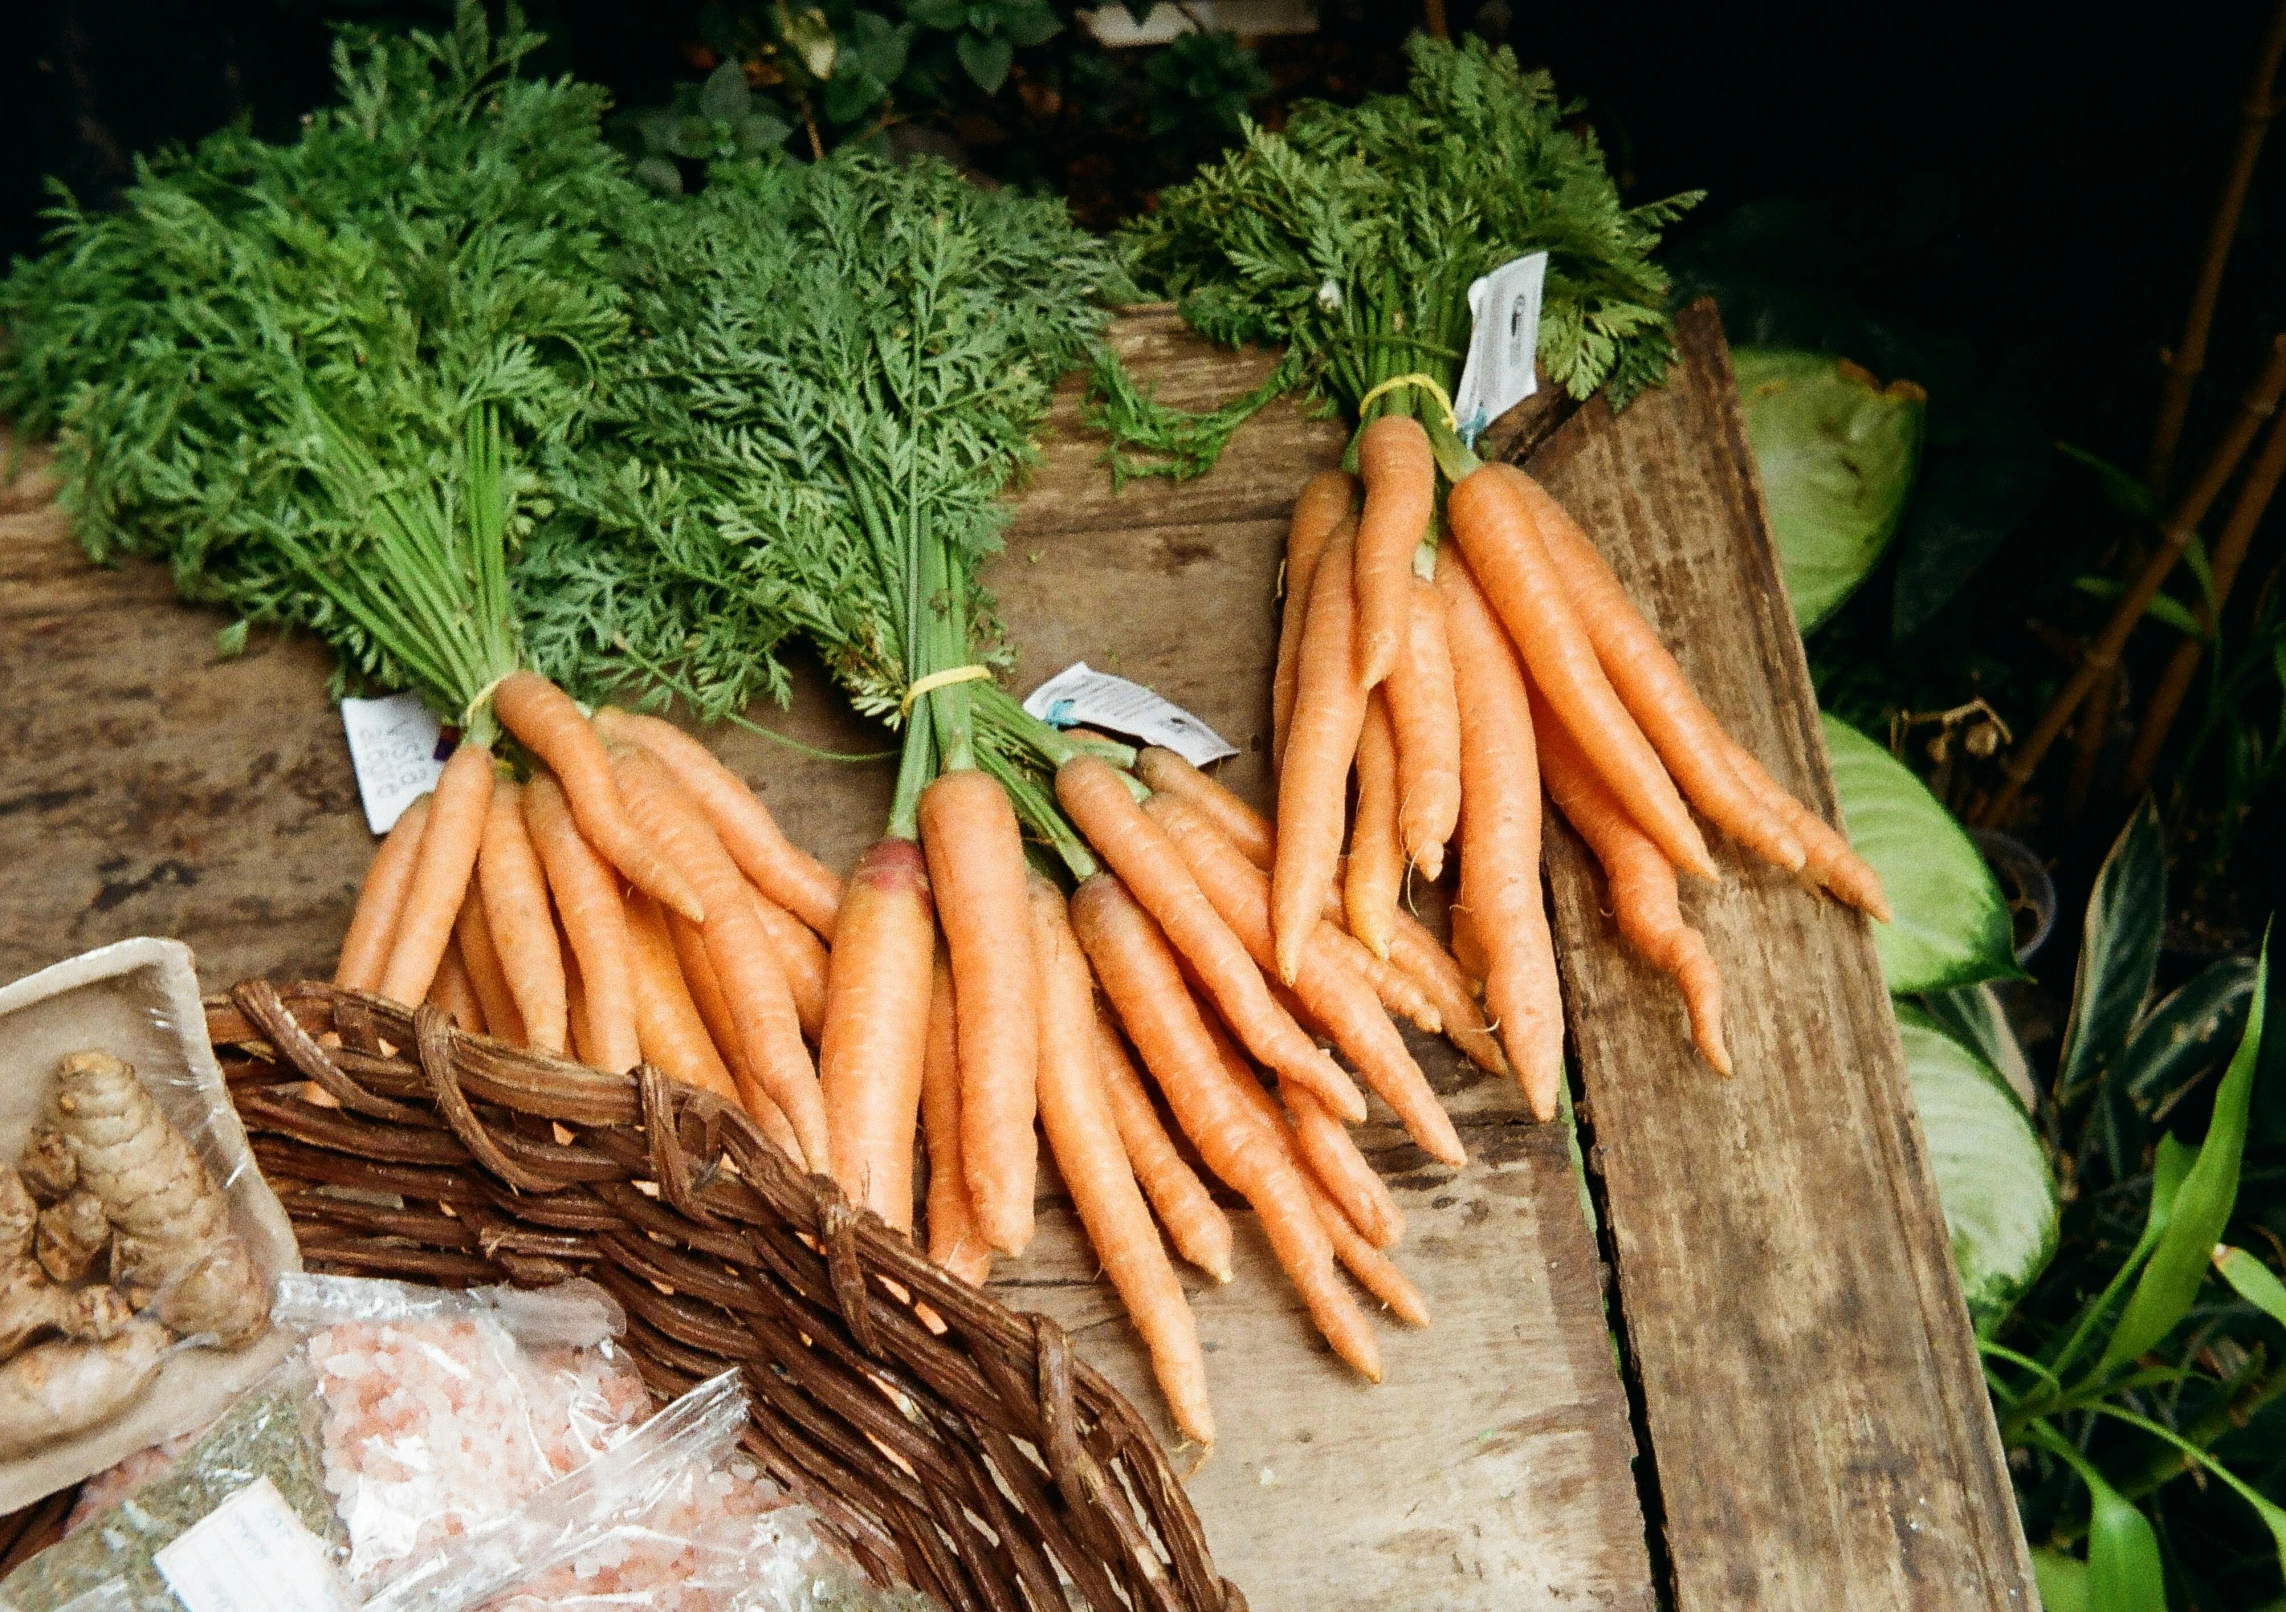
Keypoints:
(916, 765)
(2234, 1412)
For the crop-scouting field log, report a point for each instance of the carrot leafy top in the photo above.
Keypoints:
(1350, 239)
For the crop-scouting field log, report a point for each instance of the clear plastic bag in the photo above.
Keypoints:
(447, 1451)
(406, 1416)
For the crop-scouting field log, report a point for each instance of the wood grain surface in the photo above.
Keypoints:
(1819, 1431)
(147, 787)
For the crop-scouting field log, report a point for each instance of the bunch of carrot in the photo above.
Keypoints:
(629, 900)
(1457, 680)
(975, 990)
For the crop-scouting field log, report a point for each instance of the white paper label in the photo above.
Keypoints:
(1080, 696)
(1503, 343)
(251, 1554)
(393, 743)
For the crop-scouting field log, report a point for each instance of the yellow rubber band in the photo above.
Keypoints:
(951, 674)
(1427, 383)
(483, 697)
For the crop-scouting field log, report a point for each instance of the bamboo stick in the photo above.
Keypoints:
(2258, 404)
(2253, 501)
(2189, 355)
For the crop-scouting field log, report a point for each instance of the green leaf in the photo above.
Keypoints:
(758, 132)
(944, 14)
(2253, 1281)
(2186, 1033)
(986, 60)
(1993, 1179)
(1029, 25)
(2163, 607)
(2062, 1580)
(1951, 925)
(230, 642)
(724, 97)
(2127, 493)
(2124, 1573)
(661, 175)
(1837, 456)
(1972, 1015)
(2119, 951)
(2202, 1206)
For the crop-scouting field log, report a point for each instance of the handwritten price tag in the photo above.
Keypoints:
(397, 748)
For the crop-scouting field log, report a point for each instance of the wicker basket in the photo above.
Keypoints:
(946, 1441)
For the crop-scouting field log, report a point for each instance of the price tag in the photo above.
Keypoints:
(251, 1554)
(1081, 696)
(398, 750)
(1503, 343)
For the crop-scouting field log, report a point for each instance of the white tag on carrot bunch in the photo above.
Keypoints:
(1503, 343)
(1081, 696)
(396, 746)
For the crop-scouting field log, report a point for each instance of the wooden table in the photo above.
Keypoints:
(1797, 1359)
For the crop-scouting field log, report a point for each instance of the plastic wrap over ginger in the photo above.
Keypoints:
(174, 1242)
(54, 1390)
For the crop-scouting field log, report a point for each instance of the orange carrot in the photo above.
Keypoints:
(873, 1053)
(594, 922)
(441, 872)
(365, 949)
(1327, 1157)
(473, 936)
(1375, 874)
(1329, 711)
(1641, 882)
(1685, 733)
(705, 987)
(1436, 971)
(1169, 774)
(1374, 1270)
(1827, 856)
(803, 956)
(1198, 1228)
(452, 991)
(1140, 852)
(1330, 991)
(976, 868)
(1085, 1139)
(1425, 716)
(780, 869)
(1139, 974)
(954, 1241)
(1249, 831)
(1327, 501)
(1500, 839)
(516, 910)
(1400, 475)
(547, 723)
(1468, 950)
(673, 1035)
(1492, 517)
(761, 1002)
(580, 1029)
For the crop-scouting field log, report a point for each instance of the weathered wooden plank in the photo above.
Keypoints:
(1819, 1428)
(148, 788)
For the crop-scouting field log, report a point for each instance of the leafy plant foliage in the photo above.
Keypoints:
(1350, 239)
(316, 378)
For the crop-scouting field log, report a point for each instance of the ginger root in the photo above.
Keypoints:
(31, 1306)
(47, 1167)
(19, 1213)
(54, 1390)
(72, 1232)
(174, 1242)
